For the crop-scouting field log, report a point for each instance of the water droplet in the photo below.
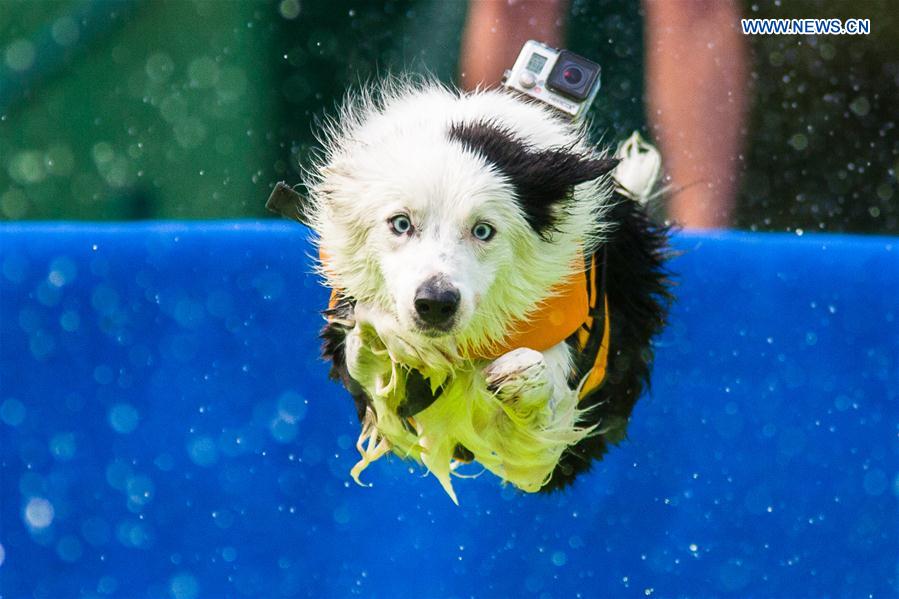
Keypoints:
(107, 585)
(342, 515)
(202, 451)
(65, 31)
(799, 142)
(289, 9)
(860, 106)
(140, 490)
(12, 412)
(69, 549)
(20, 55)
(39, 513)
(159, 67)
(132, 534)
(62, 446)
(184, 586)
(123, 418)
(203, 72)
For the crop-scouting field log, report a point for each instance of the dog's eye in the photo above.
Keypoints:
(400, 224)
(483, 231)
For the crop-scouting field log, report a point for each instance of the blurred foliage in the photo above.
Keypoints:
(122, 109)
(157, 109)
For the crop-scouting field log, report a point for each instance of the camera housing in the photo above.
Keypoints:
(560, 78)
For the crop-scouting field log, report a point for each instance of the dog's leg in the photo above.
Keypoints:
(363, 364)
(538, 417)
(529, 381)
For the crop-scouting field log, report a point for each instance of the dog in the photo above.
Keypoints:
(497, 282)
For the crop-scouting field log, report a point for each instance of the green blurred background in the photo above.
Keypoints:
(133, 109)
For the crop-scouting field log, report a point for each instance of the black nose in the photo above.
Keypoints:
(436, 301)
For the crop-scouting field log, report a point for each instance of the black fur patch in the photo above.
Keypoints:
(418, 395)
(542, 179)
(638, 289)
(333, 348)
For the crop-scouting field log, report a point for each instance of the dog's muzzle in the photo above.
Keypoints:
(436, 304)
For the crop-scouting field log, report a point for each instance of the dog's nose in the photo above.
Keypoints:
(436, 301)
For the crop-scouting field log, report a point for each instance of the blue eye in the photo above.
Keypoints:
(400, 224)
(483, 231)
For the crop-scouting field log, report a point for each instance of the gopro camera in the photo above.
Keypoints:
(560, 78)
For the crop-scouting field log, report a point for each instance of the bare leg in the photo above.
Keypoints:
(696, 78)
(497, 29)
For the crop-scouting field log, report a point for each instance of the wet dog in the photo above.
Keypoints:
(496, 281)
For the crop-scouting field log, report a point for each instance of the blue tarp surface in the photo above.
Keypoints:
(168, 430)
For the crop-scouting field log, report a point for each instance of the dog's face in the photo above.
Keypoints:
(444, 231)
(440, 249)
(457, 223)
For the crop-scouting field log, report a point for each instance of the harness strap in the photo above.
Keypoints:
(592, 367)
(597, 374)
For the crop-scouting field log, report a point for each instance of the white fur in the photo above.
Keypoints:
(388, 152)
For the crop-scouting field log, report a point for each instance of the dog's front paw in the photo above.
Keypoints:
(363, 364)
(520, 379)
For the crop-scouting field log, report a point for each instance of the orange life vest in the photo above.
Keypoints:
(571, 312)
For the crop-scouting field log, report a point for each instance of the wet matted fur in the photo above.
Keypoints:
(447, 161)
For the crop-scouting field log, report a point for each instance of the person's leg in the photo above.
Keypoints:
(496, 30)
(696, 79)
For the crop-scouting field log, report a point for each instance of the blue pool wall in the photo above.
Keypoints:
(167, 429)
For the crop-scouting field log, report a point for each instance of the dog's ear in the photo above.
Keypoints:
(549, 171)
(542, 179)
(287, 202)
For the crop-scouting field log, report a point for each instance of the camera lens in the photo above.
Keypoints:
(572, 75)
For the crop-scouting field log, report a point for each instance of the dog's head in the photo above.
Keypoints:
(454, 214)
